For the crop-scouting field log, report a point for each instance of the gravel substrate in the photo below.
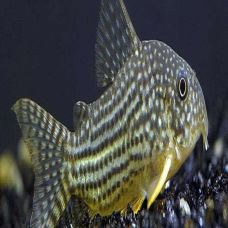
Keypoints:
(196, 197)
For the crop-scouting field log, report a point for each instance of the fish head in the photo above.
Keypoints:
(188, 108)
(177, 85)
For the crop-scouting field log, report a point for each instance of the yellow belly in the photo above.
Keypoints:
(134, 187)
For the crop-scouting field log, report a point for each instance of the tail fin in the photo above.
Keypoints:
(46, 139)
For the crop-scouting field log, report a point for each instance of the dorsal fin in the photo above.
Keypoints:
(116, 40)
(80, 114)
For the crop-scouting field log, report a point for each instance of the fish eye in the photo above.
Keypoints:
(182, 88)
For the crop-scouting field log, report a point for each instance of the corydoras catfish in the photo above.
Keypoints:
(126, 144)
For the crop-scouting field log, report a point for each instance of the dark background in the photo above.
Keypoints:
(47, 51)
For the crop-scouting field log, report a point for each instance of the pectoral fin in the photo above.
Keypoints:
(137, 204)
(157, 185)
(91, 213)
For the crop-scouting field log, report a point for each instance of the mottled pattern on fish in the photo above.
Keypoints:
(127, 143)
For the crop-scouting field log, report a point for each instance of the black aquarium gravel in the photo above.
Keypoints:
(196, 197)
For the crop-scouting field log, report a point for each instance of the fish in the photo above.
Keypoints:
(126, 144)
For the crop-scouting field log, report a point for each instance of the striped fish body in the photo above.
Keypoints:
(123, 141)
(126, 144)
(128, 135)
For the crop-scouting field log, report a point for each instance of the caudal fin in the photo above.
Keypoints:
(46, 139)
